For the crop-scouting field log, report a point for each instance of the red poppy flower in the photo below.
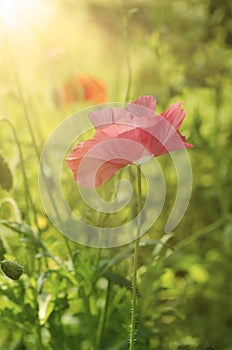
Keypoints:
(94, 89)
(83, 87)
(124, 137)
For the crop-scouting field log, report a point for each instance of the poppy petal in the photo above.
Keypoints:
(144, 105)
(95, 161)
(108, 116)
(147, 101)
(174, 114)
(124, 137)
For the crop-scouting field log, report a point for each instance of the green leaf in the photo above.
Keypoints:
(127, 253)
(117, 279)
(43, 278)
(46, 307)
(6, 180)
(18, 227)
(61, 274)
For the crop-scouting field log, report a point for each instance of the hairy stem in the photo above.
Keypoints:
(134, 272)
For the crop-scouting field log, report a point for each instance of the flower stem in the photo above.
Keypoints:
(128, 62)
(134, 272)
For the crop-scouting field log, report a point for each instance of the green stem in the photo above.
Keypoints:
(89, 320)
(19, 88)
(134, 272)
(69, 249)
(85, 298)
(38, 328)
(26, 186)
(102, 320)
(20, 92)
(204, 231)
(218, 160)
(97, 259)
(128, 63)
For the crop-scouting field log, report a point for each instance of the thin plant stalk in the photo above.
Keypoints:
(123, 12)
(22, 99)
(85, 298)
(128, 63)
(218, 160)
(28, 197)
(19, 88)
(127, 50)
(22, 163)
(135, 264)
(103, 315)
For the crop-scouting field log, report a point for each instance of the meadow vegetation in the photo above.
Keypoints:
(76, 297)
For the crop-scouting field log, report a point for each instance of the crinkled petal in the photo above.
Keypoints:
(147, 101)
(144, 105)
(124, 137)
(108, 116)
(95, 161)
(174, 114)
(93, 172)
(157, 139)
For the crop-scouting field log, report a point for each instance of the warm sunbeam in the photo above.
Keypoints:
(15, 12)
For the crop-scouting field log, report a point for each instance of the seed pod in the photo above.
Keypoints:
(12, 269)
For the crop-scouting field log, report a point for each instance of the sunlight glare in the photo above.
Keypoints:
(15, 12)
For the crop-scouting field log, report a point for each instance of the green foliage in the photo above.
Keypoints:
(73, 297)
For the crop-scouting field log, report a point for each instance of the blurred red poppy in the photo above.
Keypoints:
(124, 137)
(83, 88)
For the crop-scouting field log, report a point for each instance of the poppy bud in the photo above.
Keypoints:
(2, 250)
(12, 269)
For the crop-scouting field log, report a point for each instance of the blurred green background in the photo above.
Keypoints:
(74, 297)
